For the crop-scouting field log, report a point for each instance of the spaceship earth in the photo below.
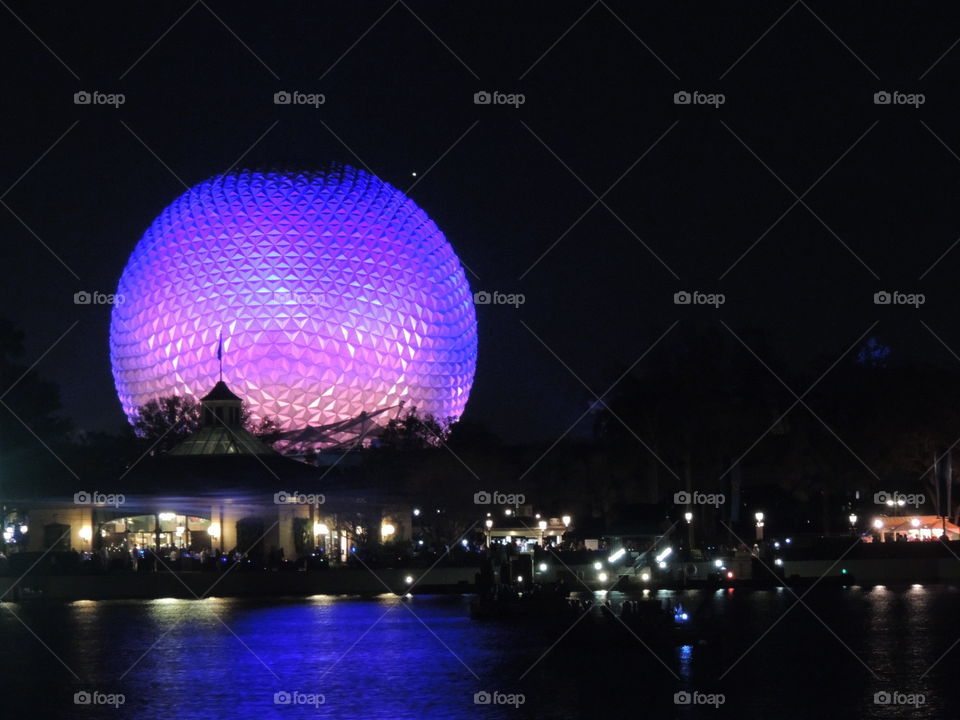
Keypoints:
(333, 292)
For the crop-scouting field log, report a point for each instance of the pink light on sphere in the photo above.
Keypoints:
(334, 292)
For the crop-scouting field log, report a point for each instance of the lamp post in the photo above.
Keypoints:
(688, 516)
(489, 524)
(759, 518)
(543, 526)
(853, 523)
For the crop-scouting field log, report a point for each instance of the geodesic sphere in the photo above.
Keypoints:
(334, 294)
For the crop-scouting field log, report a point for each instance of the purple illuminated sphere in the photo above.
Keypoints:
(334, 292)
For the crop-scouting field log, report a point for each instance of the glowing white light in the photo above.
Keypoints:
(645, 577)
(416, 512)
(915, 522)
(408, 579)
(214, 530)
(778, 562)
(508, 511)
(489, 524)
(519, 578)
(85, 533)
(617, 555)
(543, 567)
(718, 563)
(688, 516)
(167, 516)
(180, 530)
(23, 529)
(662, 564)
(602, 577)
(597, 565)
(465, 542)
(758, 516)
(542, 525)
(878, 523)
(387, 529)
(566, 520)
(664, 553)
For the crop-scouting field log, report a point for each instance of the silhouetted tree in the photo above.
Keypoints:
(414, 432)
(164, 422)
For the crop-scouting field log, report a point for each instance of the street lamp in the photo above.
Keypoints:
(543, 526)
(853, 522)
(489, 524)
(759, 518)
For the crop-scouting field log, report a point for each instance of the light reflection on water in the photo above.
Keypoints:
(385, 657)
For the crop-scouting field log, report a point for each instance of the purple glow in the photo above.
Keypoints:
(335, 294)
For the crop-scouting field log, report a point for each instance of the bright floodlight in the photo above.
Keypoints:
(878, 523)
(335, 295)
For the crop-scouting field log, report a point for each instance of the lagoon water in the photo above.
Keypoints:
(425, 658)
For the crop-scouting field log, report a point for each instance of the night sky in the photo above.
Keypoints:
(694, 186)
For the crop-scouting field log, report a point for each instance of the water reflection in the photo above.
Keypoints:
(423, 657)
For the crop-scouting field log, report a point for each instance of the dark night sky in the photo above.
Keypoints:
(399, 99)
